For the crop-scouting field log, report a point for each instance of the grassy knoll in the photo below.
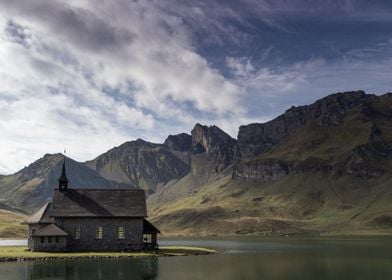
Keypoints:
(10, 225)
(18, 253)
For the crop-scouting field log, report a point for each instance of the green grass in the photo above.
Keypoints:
(309, 203)
(10, 225)
(323, 141)
(185, 250)
(12, 253)
(324, 202)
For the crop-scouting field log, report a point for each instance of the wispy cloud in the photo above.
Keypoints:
(73, 74)
(271, 91)
(89, 75)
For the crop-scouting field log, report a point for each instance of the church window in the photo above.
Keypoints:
(77, 233)
(99, 233)
(147, 238)
(120, 233)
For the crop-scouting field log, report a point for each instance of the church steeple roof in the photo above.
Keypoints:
(63, 180)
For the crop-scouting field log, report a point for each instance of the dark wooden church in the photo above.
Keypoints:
(92, 220)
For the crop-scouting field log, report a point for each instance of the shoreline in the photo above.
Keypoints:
(20, 253)
(258, 234)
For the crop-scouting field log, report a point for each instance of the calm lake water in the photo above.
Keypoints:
(239, 258)
(13, 242)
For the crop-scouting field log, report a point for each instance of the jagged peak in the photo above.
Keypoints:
(210, 139)
(53, 155)
(210, 130)
(332, 110)
(339, 97)
(137, 142)
(54, 158)
(140, 140)
(179, 142)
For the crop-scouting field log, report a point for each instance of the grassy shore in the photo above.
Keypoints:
(20, 253)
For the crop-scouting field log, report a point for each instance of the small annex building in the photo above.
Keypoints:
(92, 220)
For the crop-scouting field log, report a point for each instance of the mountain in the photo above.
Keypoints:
(146, 165)
(342, 133)
(149, 166)
(31, 187)
(320, 168)
(323, 168)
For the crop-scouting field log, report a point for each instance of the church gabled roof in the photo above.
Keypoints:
(99, 203)
(42, 215)
(149, 227)
(51, 230)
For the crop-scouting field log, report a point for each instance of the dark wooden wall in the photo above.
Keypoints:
(133, 229)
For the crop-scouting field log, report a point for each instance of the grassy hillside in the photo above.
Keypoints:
(10, 225)
(297, 204)
(318, 169)
(323, 141)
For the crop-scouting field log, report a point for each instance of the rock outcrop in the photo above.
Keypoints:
(216, 146)
(257, 138)
(354, 120)
(181, 142)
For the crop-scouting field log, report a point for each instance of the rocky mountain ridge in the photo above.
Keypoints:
(319, 167)
(143, 164)
(330, 118)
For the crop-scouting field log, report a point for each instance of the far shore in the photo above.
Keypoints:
(360, 233)
(21, 253)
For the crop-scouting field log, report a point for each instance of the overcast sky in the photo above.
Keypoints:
(90, 75)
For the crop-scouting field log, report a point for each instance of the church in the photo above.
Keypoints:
(92, 220)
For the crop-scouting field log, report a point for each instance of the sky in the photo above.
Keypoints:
(89, 75)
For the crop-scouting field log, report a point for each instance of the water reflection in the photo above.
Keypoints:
(240, 258)
(99, 269)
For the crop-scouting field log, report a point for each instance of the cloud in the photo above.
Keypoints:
(270, 91)
(89, 75)
(77, 71)
(241, 66)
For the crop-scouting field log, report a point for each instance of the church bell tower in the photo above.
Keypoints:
(63, 181)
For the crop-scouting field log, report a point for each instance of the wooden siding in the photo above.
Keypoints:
(133, 233)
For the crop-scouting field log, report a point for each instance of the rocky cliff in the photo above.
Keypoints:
(344, 132)
(215, 145)
(181, 142)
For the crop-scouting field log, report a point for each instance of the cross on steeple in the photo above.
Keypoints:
(63, 181)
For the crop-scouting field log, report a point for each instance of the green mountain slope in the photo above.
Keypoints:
(10, 225)
(145, 165)
(33, 186)
(296, 204)
(322, 168)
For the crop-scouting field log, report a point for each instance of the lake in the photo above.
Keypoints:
(239, 258)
